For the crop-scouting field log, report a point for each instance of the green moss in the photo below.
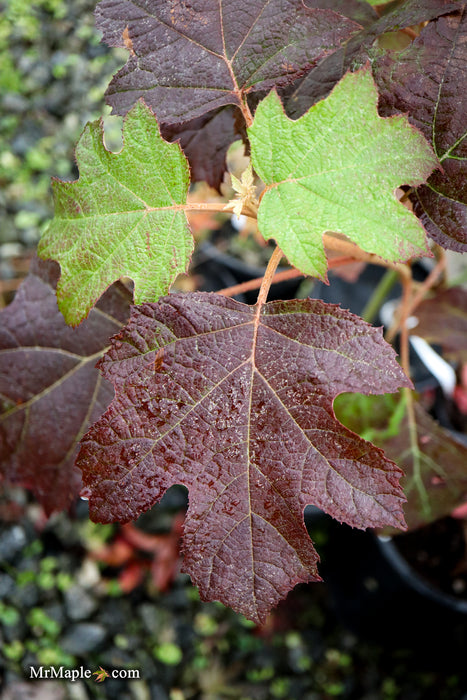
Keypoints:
(9, 616)
(54, 656)
(46, 580)
(42, 624)
(63, 581)
(168, 653)
(205, 624)
(279, 688)
(257, 675)
(14, 650)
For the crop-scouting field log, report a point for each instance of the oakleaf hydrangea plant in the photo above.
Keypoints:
(116, 386)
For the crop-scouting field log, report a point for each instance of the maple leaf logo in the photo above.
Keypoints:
(101, 675)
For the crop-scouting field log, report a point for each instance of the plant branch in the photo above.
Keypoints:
(281, 276)
(376, 300)
(416, 452)
(417, 298)
(274, 261)
(427, 284)
(247, 210)
(255, 283)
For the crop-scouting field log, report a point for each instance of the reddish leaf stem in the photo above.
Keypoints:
(274, 261)
(412, 304)
(410, 32)
(404, 331)
(255, 283)
(282, 276)
(427, 284)
(351, 249)
(247, 115)
(406, 195)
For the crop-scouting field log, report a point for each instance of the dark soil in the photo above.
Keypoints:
(438, 552)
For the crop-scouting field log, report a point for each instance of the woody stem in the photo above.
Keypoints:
(268, 275)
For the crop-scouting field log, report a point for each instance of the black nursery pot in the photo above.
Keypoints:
(380, 596)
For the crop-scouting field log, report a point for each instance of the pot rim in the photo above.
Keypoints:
(414, 580)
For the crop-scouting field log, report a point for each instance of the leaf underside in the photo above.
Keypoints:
(429, 81)
(336, 169)
(235, 402)
(123, 217)
(435, 478)
(189, 58)
(439, 460)
(50, 390)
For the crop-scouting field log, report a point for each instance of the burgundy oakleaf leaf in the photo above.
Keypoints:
(320, 80)
(205, 142)
(429, 81)
(189, 58)
(50, 390)
(235, 402)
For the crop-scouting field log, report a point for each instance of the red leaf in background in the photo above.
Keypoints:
(442, 319)
(354, 53)
(429, 81)
(50, 390)
(460, 512)
(132, 575)
(125, 550)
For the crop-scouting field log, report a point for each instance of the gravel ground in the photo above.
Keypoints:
(59, 604)
(53, 74)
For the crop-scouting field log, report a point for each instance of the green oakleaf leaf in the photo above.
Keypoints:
(336, 169)
(124, 216)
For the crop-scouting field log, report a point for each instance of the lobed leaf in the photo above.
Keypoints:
(124, 216)
(205, 142)
(336, 169)
(50, 390)
(319, 81)
(433, 460)
(235, 402)
(189, 58)
(429, 81)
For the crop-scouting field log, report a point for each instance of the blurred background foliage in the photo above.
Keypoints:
(53, 74)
